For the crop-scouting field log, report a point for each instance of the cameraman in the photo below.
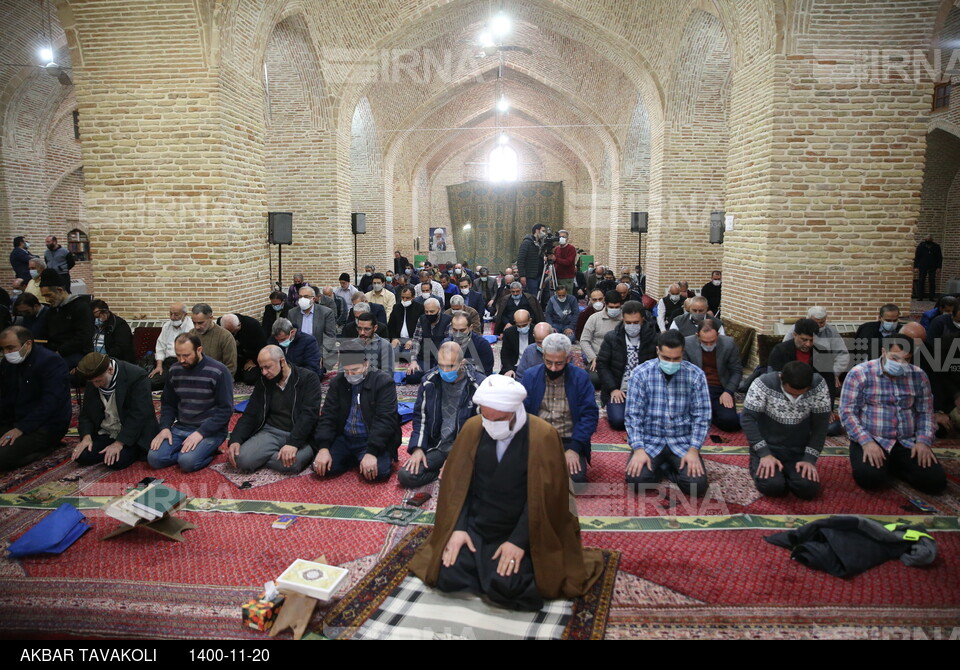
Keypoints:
(530, 259)
(566, 263)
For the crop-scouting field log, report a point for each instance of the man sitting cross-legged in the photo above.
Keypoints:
(278, 423)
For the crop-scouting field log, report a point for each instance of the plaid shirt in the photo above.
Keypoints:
(355, 427)
(886, 410)
(662, 413)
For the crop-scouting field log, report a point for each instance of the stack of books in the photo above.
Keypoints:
(145, 503)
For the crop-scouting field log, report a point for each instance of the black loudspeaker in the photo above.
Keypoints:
(280, 227)
(717, 227)
(358, 221)
(638, 222)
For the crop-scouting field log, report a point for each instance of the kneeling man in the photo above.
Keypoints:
(504, 528)
(117, 420)
(277, 425)
(785, 417)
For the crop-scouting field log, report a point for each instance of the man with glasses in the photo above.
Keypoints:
(474, 346)
(379, 351)
(179, 322)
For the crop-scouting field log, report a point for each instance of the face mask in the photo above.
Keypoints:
(516, 299)
(353, 380)
(632, 329)
(698, 318)
(277, 308)
(406, 303)
(460, 338)
(675, 298)
(304, 304)
(15, 357)
(716, 282)
(286, 343)
(464, 291)
(378, 287)
(450, 376)
(367, 274)
(524, 330)
(176, 324)
(894, 368)
(34, 274)
(669, 368)
(458, 272)
(498, 430)
(563, 240)
(539, 348)
(432, 318)
(96, 322)
(425, 295)
(389, 278)
(614, 312)
(598, 306)
(556, 374)
(26, 245)
(887, 326)
(409, 272)
(708, 347)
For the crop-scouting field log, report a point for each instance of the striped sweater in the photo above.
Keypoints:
(199, 398)
(769, 419)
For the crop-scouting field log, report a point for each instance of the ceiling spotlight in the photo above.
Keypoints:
(46, 55)
(467, 226)
(485, 39)
(503, 139)
(503, 105)
(500, 25)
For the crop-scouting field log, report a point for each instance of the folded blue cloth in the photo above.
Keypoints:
(492, 339)
(53, 534)
(241, 406)
(399, 377)
(405, 409)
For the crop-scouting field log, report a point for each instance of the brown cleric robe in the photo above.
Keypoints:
(562, 567)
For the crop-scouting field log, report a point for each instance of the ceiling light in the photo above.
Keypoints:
(503, 105)
(500, 25)
(485, 39)
(46, 55)
(503, 139)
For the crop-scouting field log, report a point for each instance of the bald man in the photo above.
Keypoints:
(277, 427)
(532, 356)
(179, 322)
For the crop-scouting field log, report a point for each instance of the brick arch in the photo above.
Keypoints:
(292, 78)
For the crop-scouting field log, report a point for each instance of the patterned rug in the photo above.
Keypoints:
(390, 604)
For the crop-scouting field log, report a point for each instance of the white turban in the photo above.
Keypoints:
(500, 393)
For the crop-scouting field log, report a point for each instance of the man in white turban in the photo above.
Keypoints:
(503, 527)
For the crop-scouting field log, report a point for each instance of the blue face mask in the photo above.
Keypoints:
(34, 274)
(887, 326)
(524, 330)
(449, 377)
(669, 368)
(286, 343)
(277, 308)
(894, 368)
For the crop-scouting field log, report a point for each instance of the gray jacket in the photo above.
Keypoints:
(324, 330)
(729, 366)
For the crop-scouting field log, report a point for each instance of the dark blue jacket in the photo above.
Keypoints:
(580, 397)
(20, 262)
(304, 352)
(428, 410)
(475, 300)
(480, 352)
(36, 393)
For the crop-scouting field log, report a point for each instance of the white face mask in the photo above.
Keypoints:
(15, 357)
(406, 303)
(498, 430)
(425, 295)
(716, 282)
(563, 240)
(304, 304)
(465, 291)
(598, 306)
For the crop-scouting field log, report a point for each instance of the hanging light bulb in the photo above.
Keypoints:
(46, 55)
(485, 39)
(500, 25)
(503, 105)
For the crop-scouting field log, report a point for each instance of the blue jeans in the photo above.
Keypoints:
(616, 415)
(347, 452)
(533, 285)
(198, 458)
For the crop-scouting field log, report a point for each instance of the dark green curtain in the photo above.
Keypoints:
(500, 216)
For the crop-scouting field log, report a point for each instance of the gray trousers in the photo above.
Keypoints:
(429, 471)
(263, 448)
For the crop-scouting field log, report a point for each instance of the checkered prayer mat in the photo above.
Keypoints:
(416, 612)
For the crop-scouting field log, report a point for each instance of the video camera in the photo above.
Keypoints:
(549, 242)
